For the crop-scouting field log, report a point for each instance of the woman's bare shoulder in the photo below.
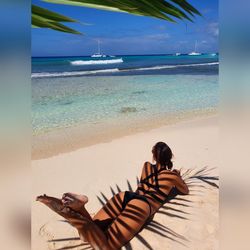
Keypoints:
(167, 171)
(170, 172)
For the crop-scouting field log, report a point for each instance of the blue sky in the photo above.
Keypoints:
(124, 34)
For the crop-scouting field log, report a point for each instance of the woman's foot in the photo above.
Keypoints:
(74, 217)
(53, 203)
(74, 201)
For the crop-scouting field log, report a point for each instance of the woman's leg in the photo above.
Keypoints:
(110, 211)
(120, 225)
(105, 216)
(125, 224)
(128, 223)
(122, 230)
(87, 229)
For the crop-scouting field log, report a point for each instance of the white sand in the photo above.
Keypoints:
(93, 169)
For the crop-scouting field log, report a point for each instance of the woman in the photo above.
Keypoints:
(123, 216)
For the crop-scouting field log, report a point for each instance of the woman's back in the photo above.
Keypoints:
(157, 182)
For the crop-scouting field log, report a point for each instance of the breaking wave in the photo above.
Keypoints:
(115, 70)
(94, 62)
(177, 66)
(72, 73)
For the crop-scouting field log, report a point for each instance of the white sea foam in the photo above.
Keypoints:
(92, 72)
(176, 66)
(72, 73)
(90, 62)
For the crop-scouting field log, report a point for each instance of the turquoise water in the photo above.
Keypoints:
(120, 90)
(68, 101)
(124, 65)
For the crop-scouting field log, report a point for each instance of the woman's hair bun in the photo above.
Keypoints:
(163, 154)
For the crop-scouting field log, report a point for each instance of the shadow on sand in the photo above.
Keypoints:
(196, 179)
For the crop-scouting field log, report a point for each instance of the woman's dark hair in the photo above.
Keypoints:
(163, 154)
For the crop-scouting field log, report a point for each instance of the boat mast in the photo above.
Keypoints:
(99, 49)
(195, 47)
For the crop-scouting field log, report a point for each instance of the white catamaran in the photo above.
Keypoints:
(194, 53)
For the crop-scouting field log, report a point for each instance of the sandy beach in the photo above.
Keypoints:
(72, 138)
(187, 222)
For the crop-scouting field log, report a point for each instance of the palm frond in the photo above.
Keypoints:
(168, 10)
(44, 18)
(187, 7)
(154, 8)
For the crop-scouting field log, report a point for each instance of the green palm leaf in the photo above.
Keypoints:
(43, 18)
(166, 10)
(53, 16)
(187, 7)
(154, 8)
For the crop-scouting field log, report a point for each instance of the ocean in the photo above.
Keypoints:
(72, 91)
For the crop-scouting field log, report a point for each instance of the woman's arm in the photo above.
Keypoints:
(180, 184)
(146, 171)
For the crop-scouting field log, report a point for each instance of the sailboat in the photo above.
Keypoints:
(98, 54)
(194, 53)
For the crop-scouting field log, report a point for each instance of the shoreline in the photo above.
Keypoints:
(65, 140)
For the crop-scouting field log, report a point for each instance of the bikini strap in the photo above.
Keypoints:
(156, 177)
(149, 176)
(153, 174)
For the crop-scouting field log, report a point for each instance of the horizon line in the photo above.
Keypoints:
(165, 54)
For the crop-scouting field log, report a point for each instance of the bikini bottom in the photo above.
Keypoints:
(130, 196)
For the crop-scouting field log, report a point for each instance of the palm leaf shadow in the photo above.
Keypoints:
(193, 178)
(152, 226)
(72, 247)
(128, 246)
(67, 240)
(88, 248)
